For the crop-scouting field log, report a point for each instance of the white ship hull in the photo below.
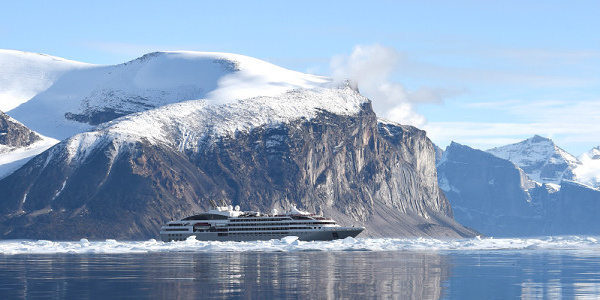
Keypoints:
(226, 224)
(322, 235)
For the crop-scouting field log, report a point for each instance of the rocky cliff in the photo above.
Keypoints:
(14, 134)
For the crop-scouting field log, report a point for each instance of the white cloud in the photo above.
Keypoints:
(371, 67)
(573, 125)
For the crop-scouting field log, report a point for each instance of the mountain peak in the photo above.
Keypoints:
(539, 139)
(540, 158)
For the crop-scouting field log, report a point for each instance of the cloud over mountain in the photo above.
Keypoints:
(371, 68)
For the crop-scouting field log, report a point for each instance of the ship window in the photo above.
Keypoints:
(206, 217)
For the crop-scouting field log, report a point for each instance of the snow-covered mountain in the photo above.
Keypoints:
(73, 97)
(546, 163)
(495, 197)
(190, 126)
(156, 138)
(58, 98)
(541, 159)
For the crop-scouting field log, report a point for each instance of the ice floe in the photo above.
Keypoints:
(290, 244)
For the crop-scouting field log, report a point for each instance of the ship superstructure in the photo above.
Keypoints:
(228, 223)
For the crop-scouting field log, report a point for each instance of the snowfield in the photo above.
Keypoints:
(24, 75)
(588, 172)
(12, 159)
(48, 94)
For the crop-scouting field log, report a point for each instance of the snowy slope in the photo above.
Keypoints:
(13, 158)
(191, 125)
(18, 144)
(588, 172)
(76, 96)
(24, 75)
(541, 159)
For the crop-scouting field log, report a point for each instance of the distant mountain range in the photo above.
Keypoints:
(116, 151)
(529, 188)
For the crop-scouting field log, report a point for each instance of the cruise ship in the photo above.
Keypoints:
(227, 223)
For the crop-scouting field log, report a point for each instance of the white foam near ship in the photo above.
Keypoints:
(226, 223)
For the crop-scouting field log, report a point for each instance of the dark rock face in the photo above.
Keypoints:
(96, 117)
(359, 171)
(486, 192)
(575, 209)
(439, 152)
(15, 134)
(493, 196)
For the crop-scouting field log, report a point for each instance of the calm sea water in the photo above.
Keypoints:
(400, 274)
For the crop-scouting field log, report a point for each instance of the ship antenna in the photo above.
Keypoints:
(213, 203)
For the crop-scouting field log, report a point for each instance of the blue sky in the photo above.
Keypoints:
(480, 73)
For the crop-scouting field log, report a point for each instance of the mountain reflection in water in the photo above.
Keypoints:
(315, 275)
(305, 275)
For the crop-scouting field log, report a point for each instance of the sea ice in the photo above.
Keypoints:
(291, 243)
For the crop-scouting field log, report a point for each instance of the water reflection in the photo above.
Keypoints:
(314, 275)
(525, 275)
